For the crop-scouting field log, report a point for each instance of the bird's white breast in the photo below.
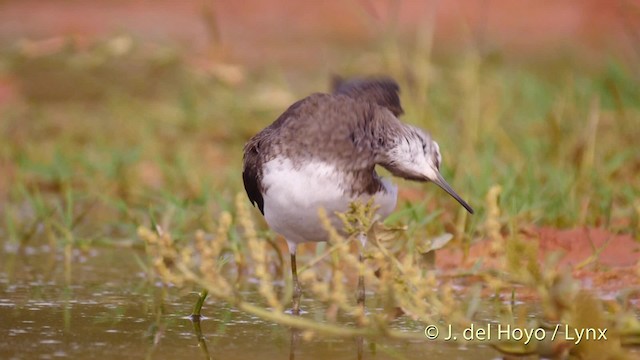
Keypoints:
(294, 194)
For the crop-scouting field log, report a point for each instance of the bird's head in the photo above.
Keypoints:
(414, 155)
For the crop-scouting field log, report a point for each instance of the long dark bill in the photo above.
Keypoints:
(440, 181)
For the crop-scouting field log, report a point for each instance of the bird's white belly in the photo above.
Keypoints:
(293, 197)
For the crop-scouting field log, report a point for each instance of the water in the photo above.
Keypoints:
(109, 309)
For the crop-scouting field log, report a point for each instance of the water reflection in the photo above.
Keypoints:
(202, 343)
(110, 309)
(296, 334)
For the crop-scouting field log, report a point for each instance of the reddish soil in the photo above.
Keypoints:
(267, 32)
(579, 244)
(312, 36)
(615, 267)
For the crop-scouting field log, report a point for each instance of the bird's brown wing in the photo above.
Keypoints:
(251, 178)
(337, 128)
(260, 149)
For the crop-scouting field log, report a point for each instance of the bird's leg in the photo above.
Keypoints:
(297, 291)
(360, 292)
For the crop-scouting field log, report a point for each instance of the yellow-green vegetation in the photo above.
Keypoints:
(216, 262)
(120, 144)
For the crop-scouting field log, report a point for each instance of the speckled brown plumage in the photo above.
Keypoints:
(351, 127)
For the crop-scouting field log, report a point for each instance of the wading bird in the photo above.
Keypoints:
(322, 153)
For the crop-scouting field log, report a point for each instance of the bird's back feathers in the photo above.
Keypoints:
(347, 128)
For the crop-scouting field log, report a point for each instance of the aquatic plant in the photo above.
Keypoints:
(403, 283)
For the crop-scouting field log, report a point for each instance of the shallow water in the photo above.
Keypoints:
(108, 309)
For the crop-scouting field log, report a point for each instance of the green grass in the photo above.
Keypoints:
(106, 140)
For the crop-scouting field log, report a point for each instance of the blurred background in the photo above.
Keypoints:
(91, 94)
(312, 37)
(132, 109)
(119, 114)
